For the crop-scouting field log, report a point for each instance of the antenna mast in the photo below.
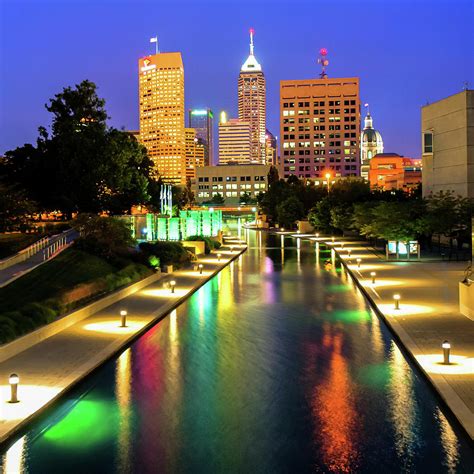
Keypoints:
(323, 61)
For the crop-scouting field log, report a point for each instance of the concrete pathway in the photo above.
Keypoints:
(428, 314)
(50, 367)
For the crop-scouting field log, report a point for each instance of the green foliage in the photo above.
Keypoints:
(247, 198)
(210, 244)
(320, 215)
(10, 244)
(217, 199)
(15, 209)
(289, 211)
(169, 253)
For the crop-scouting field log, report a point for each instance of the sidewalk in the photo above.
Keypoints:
(427, 316)
(52, 366)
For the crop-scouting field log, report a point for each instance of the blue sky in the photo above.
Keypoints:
(406, 53)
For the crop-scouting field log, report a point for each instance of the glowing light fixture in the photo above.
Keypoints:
(358, 262)
(13, 380)
(317, 234)
(349, 252)
(123, 318)
(200, 266)
(172, 285)
(446, 352)
(372, 275)
(396, 298)
(333, 239)
(219, 257)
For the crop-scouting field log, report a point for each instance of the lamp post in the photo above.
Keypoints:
(358, 262)
(172, 285)
(446, 352)
(13, 380)
(200, 268)
(372, 274)
(123, 318)
(349, 253)
(328, 176)
(396, 298)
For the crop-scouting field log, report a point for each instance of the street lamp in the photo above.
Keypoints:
(396, 298)
(358, 262)
(13, 380)
(200, 268)
(328, 176)
(446, 352)
(372, 274)
(123, 318)
(172, 285)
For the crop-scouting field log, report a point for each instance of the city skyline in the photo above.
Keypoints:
(111, 65)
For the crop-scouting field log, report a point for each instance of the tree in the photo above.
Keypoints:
(216, 199)
(15, 209)
(289, 211)
(341, 217)
(320, 215)
(185, 196)
(247, 198)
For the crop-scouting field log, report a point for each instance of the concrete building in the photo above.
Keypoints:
(448, 145)
(270, 149)
(390, 171)
(252, 103)
(234, 141)
(371, 144)
(202, 120)
(230, 181)
(161, 113)
(195, 153)
(320, 127)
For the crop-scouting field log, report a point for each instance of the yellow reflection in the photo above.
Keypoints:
(379, 283)
(282, 241)
(405, 309)
(173, 325)
(14, 459)
(366, 266)
(31, 398)
(433, 364)
(113, 327)
(201, 301)
(123, 392)
(213, 261)
(166, 292)
(449, 442)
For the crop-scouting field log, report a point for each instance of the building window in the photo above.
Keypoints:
(427, 142)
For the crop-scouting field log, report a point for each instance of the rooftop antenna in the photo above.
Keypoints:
(466, 86)
(252, 32)
(155, 40)
(323, 52)
(368, 108)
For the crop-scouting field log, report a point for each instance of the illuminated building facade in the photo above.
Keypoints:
(371, 144)
(195, 153)
(252, 103)
(390, 171)
(202, 120)
(270, 149)
(161, 110)
(234, 141)
(320, 127)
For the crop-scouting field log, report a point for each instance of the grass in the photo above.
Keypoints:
(68, 269)
(10, 244)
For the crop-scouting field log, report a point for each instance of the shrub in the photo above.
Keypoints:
(169, 253)
(210, 244)
(7, 329)
(39, 313)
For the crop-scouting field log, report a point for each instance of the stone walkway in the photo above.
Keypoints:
(50, 367)
(428, 314)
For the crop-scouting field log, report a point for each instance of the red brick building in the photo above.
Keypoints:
(391, 171)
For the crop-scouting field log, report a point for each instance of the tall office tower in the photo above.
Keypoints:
(270, 148)
(320, 127)
(195, 152)
(202, 120)
(234, 141)
(371, 144)
(252, 103)
(161, 94)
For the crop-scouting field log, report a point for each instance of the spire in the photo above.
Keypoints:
(368, 123)
(251, 64)
(251, 41)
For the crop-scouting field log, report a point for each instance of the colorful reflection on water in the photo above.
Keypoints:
(275, 365)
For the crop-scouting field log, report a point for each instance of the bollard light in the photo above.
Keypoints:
(317, 235)
(342, 246)
(13, 381)
(123, 318)
(219, 257)
(172, 285)
(333, 239)
(358, 262)
(349, 253)
(200, 268)
(231, 248)
(396, 298)
(283, 229)
(372, 274)
(446, 352)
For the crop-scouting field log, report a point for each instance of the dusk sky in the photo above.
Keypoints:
(406, 53)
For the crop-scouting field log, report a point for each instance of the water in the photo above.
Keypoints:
(275, 365)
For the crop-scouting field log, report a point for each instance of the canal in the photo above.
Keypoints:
(277, 364)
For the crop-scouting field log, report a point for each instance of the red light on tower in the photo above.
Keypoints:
(323, 61)
(323, 52)
(252, 31)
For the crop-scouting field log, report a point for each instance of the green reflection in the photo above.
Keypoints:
(348, 316)
(338, 288)
(92, 417)
(375, 376)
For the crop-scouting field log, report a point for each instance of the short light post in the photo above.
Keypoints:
(123, 318)
(172, 285)
(342, 246)
(13, 381)
(358, 262)
(219, 257)
(396, 298)
(372, 275)
(200, 268)
(283, 229)
(333, 239)
(317, 235)
(349, 253)
(446, 352)
(231, 249)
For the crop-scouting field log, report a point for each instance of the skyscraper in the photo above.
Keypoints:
(202, 120)
(320, 127)
(195, 152)
(161, 95)
(234, 141)
(271, 148)
(252, 103)
(371, 144)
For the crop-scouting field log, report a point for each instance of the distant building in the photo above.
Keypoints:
(161, 113)
(252, 103)
(390, 171)
(202, 120)
(195, 153)
(234, 141)
(371, 144)
(270, 149)
(134, 133)
(230, 181)
(320, 127)
(448, 145)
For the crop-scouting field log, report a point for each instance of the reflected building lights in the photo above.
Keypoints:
(449, 442)
(123, 393)
(14, 458)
